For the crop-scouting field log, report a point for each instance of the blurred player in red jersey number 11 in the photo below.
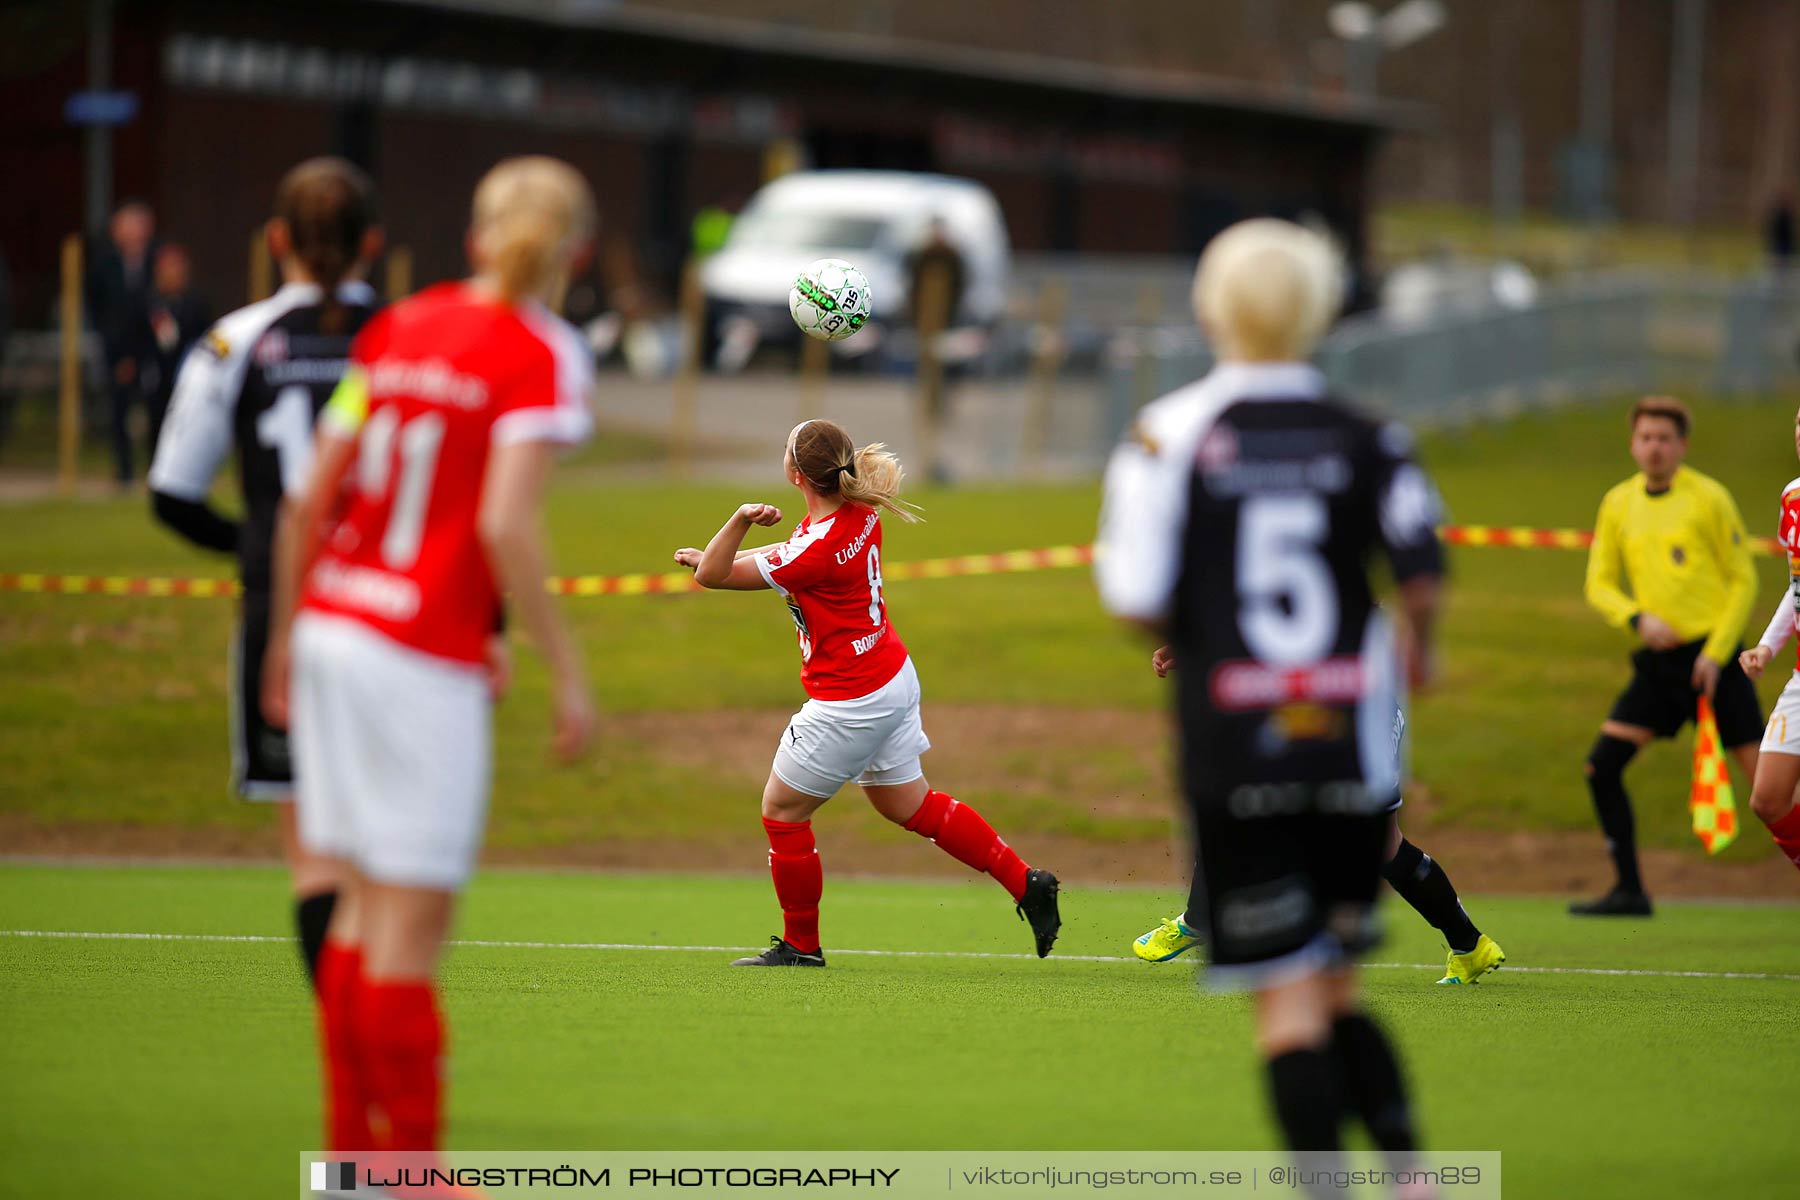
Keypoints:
(440, 438)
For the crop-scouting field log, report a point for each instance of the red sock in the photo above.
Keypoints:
(960, 832)
(346, 1082)
(1786, 833)
(799, 880)
(404, 1038)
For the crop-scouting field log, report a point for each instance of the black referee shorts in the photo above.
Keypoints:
(1286, 894)
(1661, 695)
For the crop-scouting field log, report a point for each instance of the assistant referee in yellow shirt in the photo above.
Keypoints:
(1669, 563)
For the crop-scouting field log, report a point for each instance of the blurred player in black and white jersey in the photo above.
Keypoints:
(1241, 516)
(251, 388)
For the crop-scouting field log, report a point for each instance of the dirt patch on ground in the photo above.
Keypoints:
(1109, 769)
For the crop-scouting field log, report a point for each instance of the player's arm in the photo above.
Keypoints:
(1773, 641)
(723, 565)
(1137, 555)
(1605, 586)
(1408, 511)
(299, 533)
(512, 534)
(1731, 549)
(194, 443)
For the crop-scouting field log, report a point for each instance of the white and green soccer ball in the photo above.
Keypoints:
(830, 300)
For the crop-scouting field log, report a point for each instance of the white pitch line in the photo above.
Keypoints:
(489, 944)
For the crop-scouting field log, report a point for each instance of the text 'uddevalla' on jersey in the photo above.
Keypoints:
(830, 572)
(1241, 514)
(435, 381)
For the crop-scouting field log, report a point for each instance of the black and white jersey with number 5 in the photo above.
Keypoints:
(1242, 514)
(254, 384)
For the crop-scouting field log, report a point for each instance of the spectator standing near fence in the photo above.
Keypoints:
(178, 316)
(936, 276)
(1670, 565)
(118, 297)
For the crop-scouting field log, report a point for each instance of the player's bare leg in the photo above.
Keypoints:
(1618, 744)
(799, 876)
(1772, 800)
(315, 880)
(962, 833)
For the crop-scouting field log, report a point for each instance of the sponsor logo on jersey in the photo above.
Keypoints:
(271, 348)
(215, 344)
(378, 593)
(432, 380)
(1249, 686)
(863, 645)
(1219, 449)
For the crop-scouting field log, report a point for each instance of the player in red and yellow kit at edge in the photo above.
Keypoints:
(1778, 766)
(423, 503)
(861, 721)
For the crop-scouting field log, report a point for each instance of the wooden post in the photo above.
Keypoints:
(262, 267)
(399, 273)
(815, 364)
(68, 433)
(687, 375)
(933, 315)
(1144, 376)
(1046, 360)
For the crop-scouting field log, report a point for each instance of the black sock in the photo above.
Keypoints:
(1373, 1087)
(1422, 883)
(312, 914)
(1606, 780)
(1308, 1098)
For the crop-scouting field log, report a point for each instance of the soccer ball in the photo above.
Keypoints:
(830, 300)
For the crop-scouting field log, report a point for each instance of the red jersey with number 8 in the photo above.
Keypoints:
(434, 382)
(830, 573)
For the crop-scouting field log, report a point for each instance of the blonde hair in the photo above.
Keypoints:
(532, 216)
(1265, 290)
(832, 465)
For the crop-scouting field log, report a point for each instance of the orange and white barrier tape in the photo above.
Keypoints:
(673, 582)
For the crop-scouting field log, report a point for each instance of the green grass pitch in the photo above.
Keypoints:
(162, 1068)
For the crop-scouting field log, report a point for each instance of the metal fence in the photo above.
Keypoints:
(1594, 339)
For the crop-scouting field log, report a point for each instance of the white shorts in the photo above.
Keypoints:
(1783, 733)
(392, 754)
(873, 739)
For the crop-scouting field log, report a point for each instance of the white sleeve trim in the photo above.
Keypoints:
(1781, 626)
(568, 419)
(1137, 559)
(767, 572)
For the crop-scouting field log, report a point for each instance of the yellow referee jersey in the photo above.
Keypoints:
(1679, 554)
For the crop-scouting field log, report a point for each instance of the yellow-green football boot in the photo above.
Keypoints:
(1467, 968)
(1167, 940)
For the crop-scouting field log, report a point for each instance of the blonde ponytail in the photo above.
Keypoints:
(876, 482)
(533, 215)
(824, 454)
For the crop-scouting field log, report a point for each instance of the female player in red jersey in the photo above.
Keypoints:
(861, 722)
(432, 454)
(1778, 767)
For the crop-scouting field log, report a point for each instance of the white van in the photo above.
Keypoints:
(874, 219)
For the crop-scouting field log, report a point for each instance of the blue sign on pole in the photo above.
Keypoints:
(100, 108)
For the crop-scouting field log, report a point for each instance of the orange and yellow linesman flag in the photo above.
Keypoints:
(1711, 801)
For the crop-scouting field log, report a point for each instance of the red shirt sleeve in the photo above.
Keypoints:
(544, 398)
(798, 563)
